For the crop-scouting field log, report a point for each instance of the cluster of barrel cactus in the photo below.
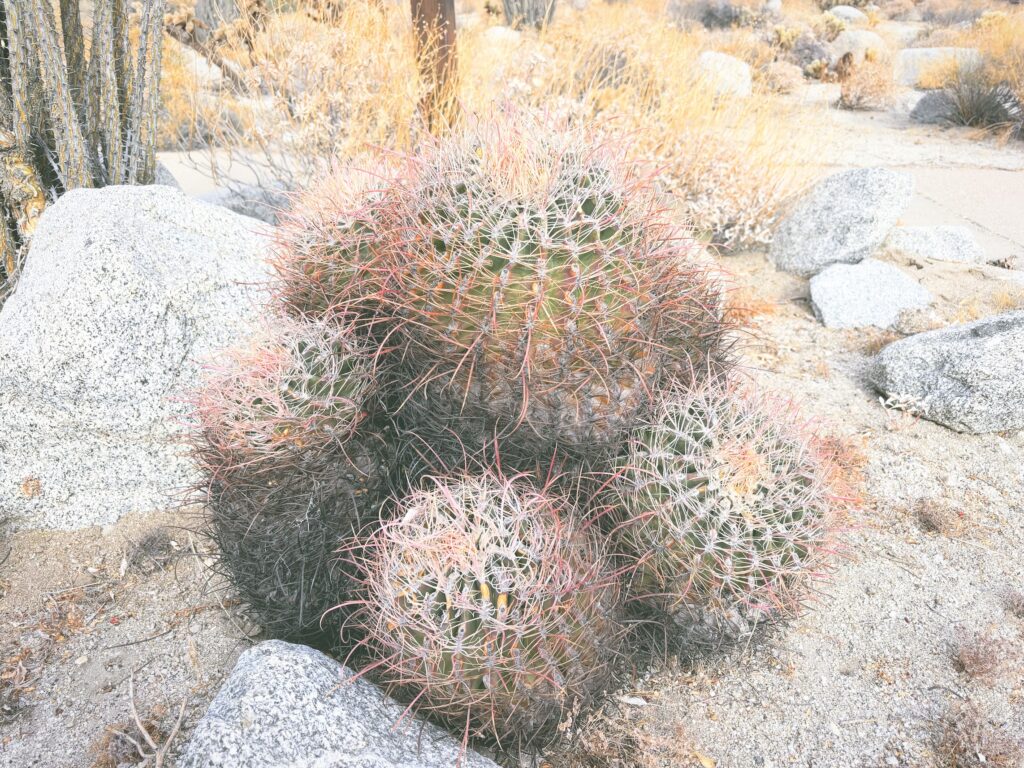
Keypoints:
(498, 409)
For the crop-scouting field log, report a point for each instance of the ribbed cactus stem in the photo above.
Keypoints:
(489, 599)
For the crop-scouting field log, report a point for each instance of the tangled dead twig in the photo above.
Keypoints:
(151, 753)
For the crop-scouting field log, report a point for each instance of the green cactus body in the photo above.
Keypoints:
(540, 292)
(483, 597)
(728, 505)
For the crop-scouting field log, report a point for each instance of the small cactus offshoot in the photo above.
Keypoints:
(289, 400)
(288, 474)
(728, 507)
(490, 606)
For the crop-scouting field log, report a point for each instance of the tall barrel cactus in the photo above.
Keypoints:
(729, 507)
(491, 605)
(530, 288)
(78, 106)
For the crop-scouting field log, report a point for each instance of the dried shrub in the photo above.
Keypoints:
(869, 85)
(968, 739)
(937, 516)
(984, 656)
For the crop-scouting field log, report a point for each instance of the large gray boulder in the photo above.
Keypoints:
(124, 290)
(948, 242)
(289, 705)
(843, 219)
(725, 74)
(913, 63)
(967, 377)
(858, 44)
(868, 293)
(849, 14)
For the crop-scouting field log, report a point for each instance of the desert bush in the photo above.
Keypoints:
(966, 738)
(69, 118)
(486, 601)
(729, 506)
(318, 94)
(869, 85)
(828, 27)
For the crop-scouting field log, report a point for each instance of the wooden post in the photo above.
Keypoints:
(435, 54)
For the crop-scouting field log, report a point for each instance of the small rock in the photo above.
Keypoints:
(726, 74)
(849, 14)
(858, 43)
(933, 108)
(968, 377)
(913, 63)
(869, 293)
(943, 243)
(290, 705)
(843, 219)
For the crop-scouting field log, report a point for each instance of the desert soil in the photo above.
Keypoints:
(95, 619)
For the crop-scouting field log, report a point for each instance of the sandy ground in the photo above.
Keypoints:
(864, 679)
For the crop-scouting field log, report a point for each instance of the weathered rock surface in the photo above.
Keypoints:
(849, 14)
(124, 290)
(844, 218)
(858, 44)
(913, 63)
(290, 705)
(967, 377)
(933, 108)
(868, 293)
(726, 74)
(945, 243)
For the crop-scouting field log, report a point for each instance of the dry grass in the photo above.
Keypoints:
(937, 516)
(869, 86)
(321, 94)
(985, 656)
(966, 739)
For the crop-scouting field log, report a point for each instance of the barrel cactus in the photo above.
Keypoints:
(538, 294)
(728, 505)
(490, 606)
(288, 469)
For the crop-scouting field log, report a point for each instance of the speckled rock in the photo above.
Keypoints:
(967, 377)
(842, 219)
(933, 108)
(869, 293)
(849, 14)
(949, 242)
(858, 44)
(124, 290)
(290, 705)
(726, 74)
